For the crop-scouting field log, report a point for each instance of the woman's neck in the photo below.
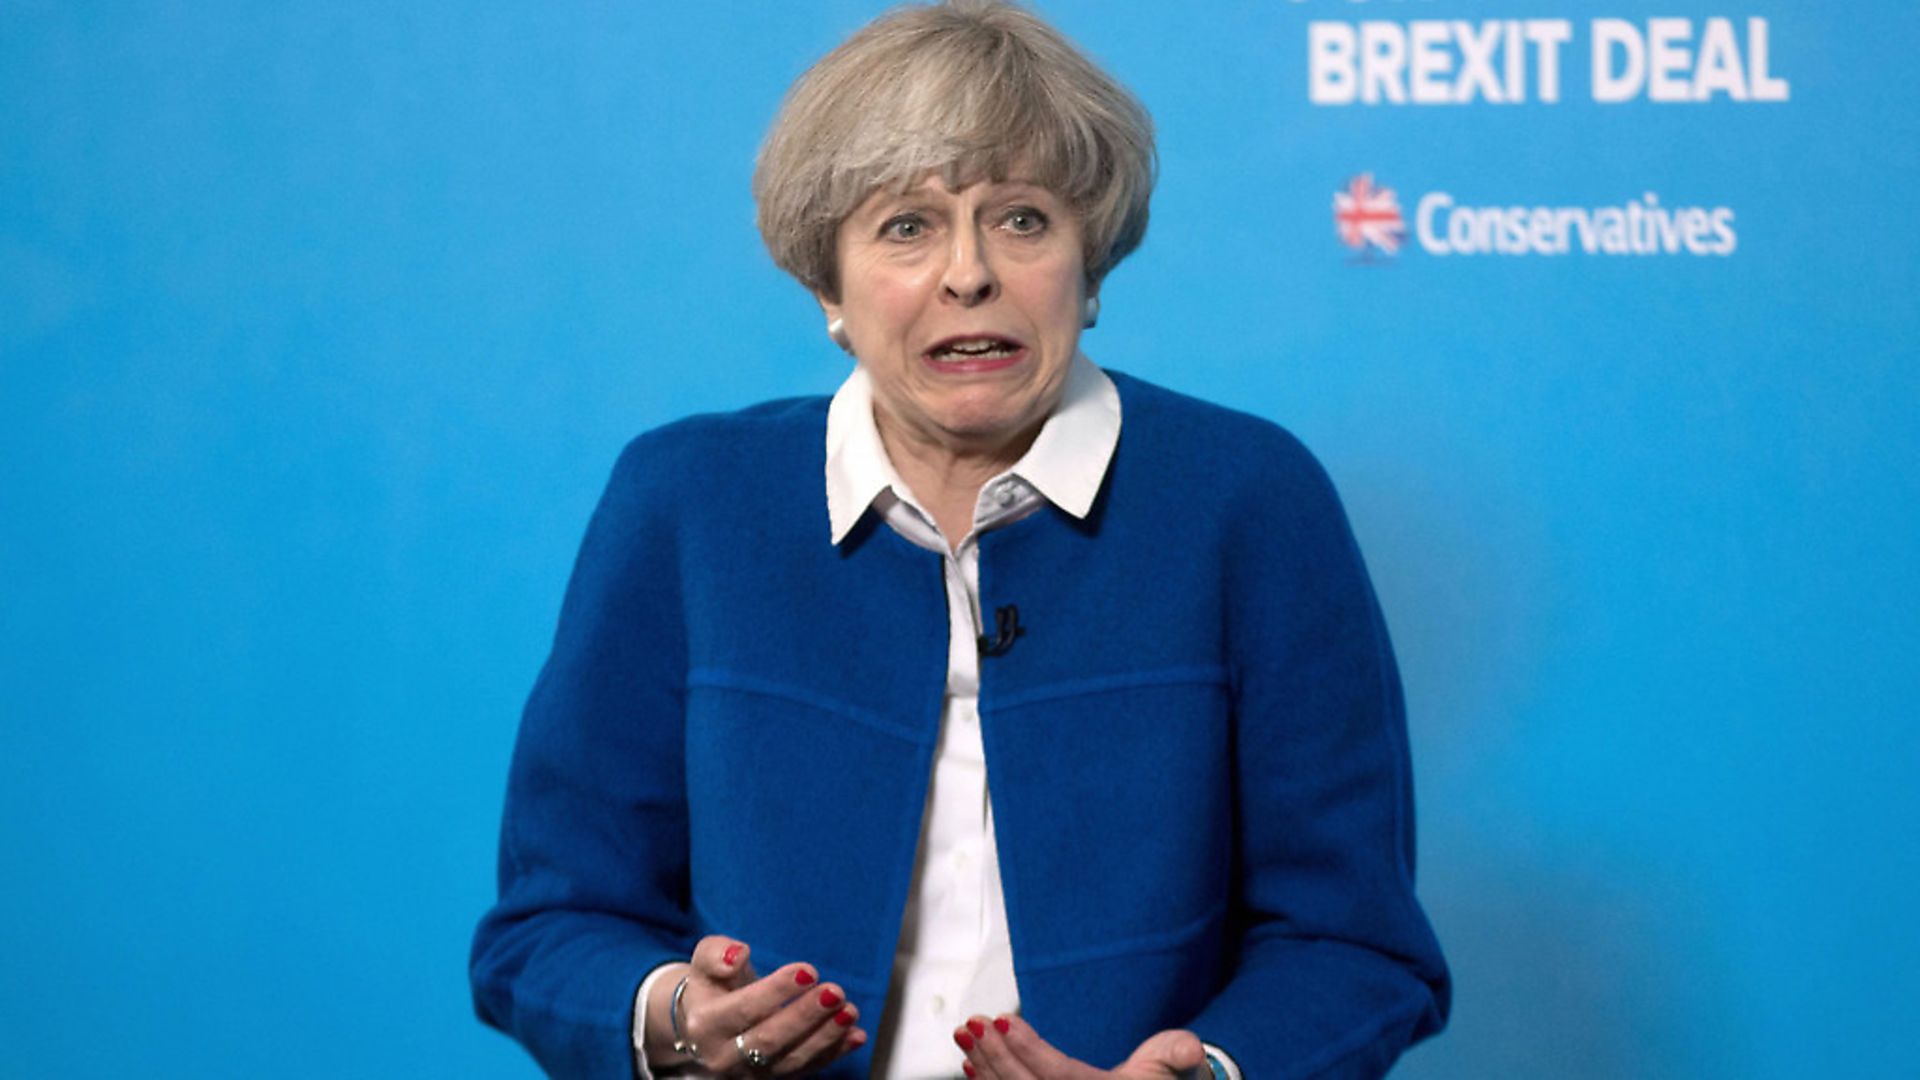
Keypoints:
(947, 478)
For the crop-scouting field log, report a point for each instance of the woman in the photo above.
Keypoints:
(759, 755)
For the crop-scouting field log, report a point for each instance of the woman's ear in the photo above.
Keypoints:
(836, 326)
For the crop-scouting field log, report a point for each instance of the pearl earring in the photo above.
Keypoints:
(1090, 312)
(837, 330)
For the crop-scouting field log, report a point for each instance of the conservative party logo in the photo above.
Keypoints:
(1368, 218)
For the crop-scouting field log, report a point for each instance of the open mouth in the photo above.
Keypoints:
(985, 349)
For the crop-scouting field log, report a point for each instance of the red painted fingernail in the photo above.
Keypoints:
(965, 1040)
(976, 1027)
(828, 999)
(803, 977)
(968, 1067)
(732, 954)
(843, 1017)
(1002, 1026)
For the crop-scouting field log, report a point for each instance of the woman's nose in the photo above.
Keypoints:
(969, 278)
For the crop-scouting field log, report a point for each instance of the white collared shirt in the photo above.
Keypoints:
(954, 958)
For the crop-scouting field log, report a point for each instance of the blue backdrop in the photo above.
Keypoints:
(320, 326)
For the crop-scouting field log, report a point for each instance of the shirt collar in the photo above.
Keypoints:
(1066, 463)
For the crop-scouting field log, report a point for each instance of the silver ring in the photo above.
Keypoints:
(753, 1057)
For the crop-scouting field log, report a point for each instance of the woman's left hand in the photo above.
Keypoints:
(1008, 1048)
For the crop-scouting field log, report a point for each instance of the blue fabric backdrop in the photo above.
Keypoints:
(320, 326)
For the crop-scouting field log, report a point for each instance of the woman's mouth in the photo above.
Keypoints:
(986, 352)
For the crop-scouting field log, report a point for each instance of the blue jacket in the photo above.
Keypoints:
(1197, 751)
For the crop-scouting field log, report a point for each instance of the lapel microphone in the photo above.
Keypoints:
(1006, 627)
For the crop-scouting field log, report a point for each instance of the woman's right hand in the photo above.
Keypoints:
(797, 1024)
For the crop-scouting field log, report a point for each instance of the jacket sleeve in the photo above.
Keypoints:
(1335, 969)
(593, 845)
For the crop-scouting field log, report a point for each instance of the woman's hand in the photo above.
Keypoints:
(727, 1014)
(1009, 1049)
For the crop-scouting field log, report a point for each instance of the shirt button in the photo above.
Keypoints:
(961, 860)
(1004, 494)
(939, 1005)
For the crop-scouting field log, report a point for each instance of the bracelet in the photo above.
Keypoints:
(680, 1043)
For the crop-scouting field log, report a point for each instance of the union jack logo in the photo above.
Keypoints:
(1368, 217)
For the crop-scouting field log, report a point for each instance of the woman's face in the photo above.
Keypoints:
(965, 308)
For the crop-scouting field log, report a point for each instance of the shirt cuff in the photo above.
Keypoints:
(1223, 1066)
(640, 999)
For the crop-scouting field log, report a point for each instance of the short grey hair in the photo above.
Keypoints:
(968, 89)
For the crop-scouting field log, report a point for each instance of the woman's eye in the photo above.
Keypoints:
(904, 227)
(1025, 221)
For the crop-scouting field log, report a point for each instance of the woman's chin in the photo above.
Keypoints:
(990, 431)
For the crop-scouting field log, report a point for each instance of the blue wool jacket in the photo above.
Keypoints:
(1197, 752)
